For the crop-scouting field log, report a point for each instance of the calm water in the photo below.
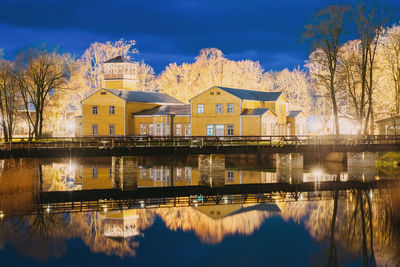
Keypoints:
(284, 210)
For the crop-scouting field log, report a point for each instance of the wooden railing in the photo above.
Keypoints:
(107, 142)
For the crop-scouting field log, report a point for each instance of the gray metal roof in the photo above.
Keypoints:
(167, 110)
(145, 97)
(119, 59)
(294, 113)
(252, 95)
(255, 112)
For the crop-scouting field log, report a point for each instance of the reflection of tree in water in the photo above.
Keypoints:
(361, 226)
(44, 235)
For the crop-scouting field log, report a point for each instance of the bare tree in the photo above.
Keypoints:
(8, 99)
(370, 22)
(39, 75)
(325, 34)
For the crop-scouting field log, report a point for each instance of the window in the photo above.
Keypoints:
(230, 130)
(110, 172)
(211, 93)
(219, 130)
(230, 177)
(179, 174)
(218, 93)
(218, 108)
(111, 109)
(188, 173)
(200, 108)
(111, 129)
(210, 130)
(229, 108)
(95, 172)
(158, 129)
(167, 129)
(188, 129)
(94, 110)
(142, 129)
(94, 129)
(178, 129)
(151, 129)
(142, 173)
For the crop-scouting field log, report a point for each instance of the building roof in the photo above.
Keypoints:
(294, 113)
(144, 97)
(119, 59)
(252, 95)
(256, 111)
(166, 110)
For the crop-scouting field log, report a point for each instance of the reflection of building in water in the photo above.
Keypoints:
(289, 167)
(125, 172)
(212, 170)
(361, 166)
(160, 176)
(121, 224)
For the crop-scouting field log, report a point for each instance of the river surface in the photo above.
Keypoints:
(207, 210)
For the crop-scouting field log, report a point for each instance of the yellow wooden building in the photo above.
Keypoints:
(222, 111)
(119, 110)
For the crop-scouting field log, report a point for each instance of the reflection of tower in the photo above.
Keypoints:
(125, 172)
(289, 167)
(212, 170)
(120, 73)
(121, 224)
(361, 166)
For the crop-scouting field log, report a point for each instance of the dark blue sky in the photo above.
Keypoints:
(168, 30)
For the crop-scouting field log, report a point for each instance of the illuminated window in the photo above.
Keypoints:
(218, 108)
(111, 109)
(229, 108)
(230, 130)
(200, 108)
(94, 110)
(179, 174)
(111, 129)
(142, 129)
(178, 129)
(188, 129)
(94, 129)
(210, 130)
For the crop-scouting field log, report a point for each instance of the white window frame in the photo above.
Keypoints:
(188, 129)
(230, 108)
(230, 130)
(178, 129)
(210, 127)
(218, 108)
(111, 126)
(200, 108)
(111, 110)
(95, 110)
(230, 176)
(142, 128)
(95, 129)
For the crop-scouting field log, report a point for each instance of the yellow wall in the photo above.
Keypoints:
(103, 118)
(133, 107)
(200, 121)
(120, 84)
(103, 180)
(281, 110)
(251, 125)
